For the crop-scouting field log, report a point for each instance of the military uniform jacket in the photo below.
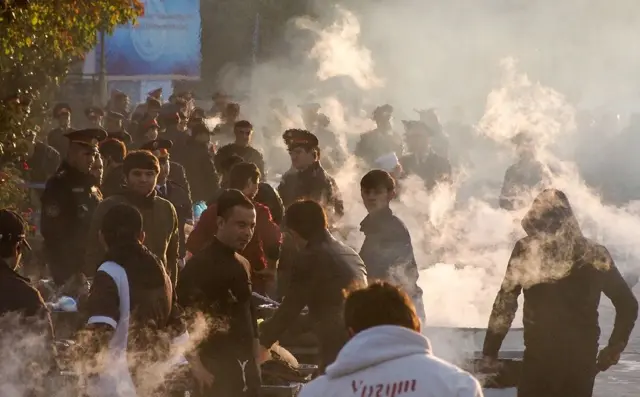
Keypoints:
(312, 183)
(58, 141)
(68, 203)
(160, 225)
(42, 164)
(181, 200)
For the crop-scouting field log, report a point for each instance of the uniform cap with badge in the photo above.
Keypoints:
(61, 108)
(159, 147)
(89, 137)
(13, 228)
(294, 138)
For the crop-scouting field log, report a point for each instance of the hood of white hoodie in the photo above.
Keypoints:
(375, 346)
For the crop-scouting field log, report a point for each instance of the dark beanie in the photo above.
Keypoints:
(141, 159)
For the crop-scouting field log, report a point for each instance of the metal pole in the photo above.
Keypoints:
(102, 76)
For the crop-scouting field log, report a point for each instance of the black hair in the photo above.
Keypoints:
(375, 179)
(241, 173)
(232, 107)
(231, 198)
(113, 149)
(381, 303)
(122, 224)
(142, 159)
(227, 164)
(243, 124)
(307, 218)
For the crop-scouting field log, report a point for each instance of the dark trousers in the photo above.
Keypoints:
(234, 377)
(565, 372)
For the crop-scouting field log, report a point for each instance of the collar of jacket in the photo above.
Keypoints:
(375, 220)
(221, 248)
(6, 270)
(319, 238)
(138, 200)
(311, 170)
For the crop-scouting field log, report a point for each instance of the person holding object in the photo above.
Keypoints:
(216, 283)
(323, 268)
(387, 355)
(563, 275)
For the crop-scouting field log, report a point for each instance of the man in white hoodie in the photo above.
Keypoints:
(387, 356)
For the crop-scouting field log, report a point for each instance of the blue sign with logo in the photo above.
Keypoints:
(163, 44)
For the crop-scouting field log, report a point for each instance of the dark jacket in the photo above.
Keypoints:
(43, 164)
(323, 270)
(248, 154)
(201, 172)
(431, 168)
(181, 200)
(215, 281)
(160, 225)
(112, 182)
(388, 254)
(68, 203)
(23, 312)
(57, 140)
(269, 196)
(376, 143)
(520, 178)
(312, 183)
(563, 275)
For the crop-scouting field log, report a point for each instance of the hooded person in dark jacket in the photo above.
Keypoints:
(563, 275)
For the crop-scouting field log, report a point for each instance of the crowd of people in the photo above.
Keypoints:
(123, 233)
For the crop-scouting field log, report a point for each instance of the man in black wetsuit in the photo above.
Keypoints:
(216, 282)
(563, 275)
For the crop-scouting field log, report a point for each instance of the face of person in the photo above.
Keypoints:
(252, 188)
(97, 170)
(151, 134)
(243, 135)
(142, 181)
(64, 119)
(301, 158)
(376, 199)
(165, 167)
(237, 230)
(82, 157)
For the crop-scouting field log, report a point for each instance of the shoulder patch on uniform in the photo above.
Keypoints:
(52, 210)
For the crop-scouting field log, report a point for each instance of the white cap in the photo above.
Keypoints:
(387, 162)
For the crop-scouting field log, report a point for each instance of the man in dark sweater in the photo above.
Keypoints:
(243, 131)
(216, 282)
(387, 250)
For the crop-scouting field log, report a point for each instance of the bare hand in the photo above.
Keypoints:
(607, 358)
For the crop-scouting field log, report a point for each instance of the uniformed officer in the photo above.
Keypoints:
(94, 115)
(169, 189)
(380, 141)
(68, 202)
(309, 180)
(115, 127)
(62, 114)
(18, 297)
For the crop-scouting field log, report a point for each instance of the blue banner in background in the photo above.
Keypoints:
(164, 42)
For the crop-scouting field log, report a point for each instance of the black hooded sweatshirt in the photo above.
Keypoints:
(563, 275)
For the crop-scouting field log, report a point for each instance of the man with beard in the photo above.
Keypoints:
(526, 174)
(263, 250)
(563, 275)
(422, 160)
(387, 250)
(131, 311)
(141, 171)
(381, 141)
(56, 137)
(171, 190)
(199, 166)
(22, 310)
(243, 131)
(324, 269)
(216, 282)
(68, 204)
(113, 153)
(309, 180)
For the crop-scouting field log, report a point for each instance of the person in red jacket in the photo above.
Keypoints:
(264, 248)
